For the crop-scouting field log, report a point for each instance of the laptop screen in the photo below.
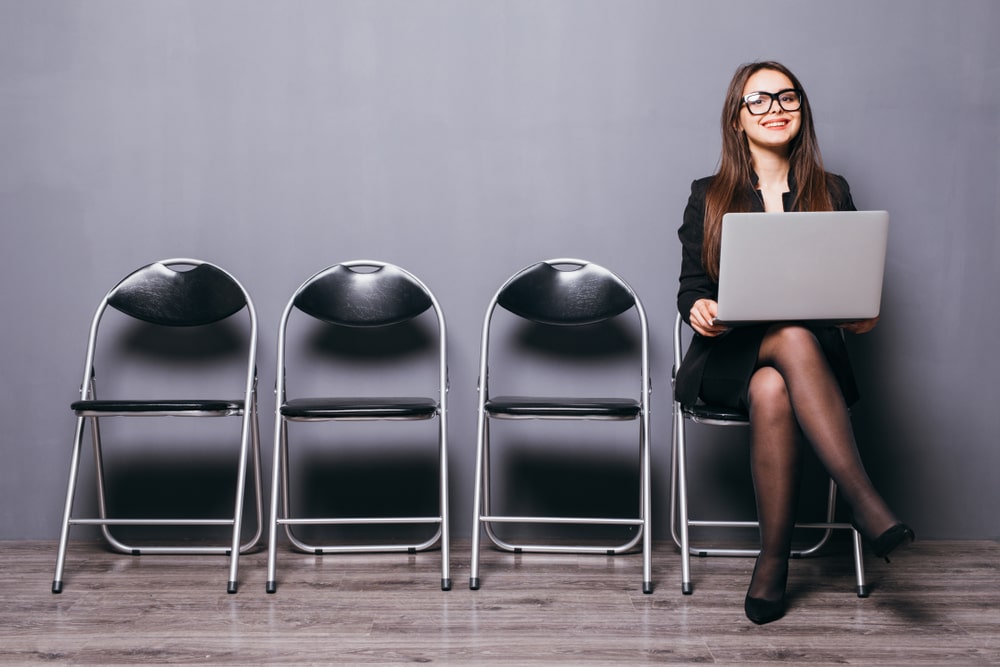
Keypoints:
(802, 266)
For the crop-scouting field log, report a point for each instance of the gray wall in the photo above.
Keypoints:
(464, 140)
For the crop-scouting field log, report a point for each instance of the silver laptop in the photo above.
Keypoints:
(824, 266)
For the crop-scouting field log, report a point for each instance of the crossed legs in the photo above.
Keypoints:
(793, 392)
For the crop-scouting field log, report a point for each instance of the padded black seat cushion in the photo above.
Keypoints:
(553, 407)
(170, 406)
(360, 408)
(700, 411)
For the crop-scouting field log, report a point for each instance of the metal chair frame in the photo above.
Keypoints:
(335, 299)
(680, 519)
(138, 296)
(592, 308)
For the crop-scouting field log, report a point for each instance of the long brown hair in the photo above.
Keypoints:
(731, 189)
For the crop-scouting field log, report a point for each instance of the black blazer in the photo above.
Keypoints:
(696, 284)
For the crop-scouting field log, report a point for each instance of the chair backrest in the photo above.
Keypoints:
(364, 294)
(566, 293)
(179, 292)
(161, 294)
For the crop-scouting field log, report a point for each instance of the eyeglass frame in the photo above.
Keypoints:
(774, 98)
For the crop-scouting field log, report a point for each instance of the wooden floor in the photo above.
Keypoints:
(937, 603)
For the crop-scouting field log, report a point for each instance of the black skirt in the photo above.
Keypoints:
(717, 370)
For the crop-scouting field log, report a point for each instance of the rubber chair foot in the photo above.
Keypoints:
(474, 583)
(57, 587)
(231, 587)
(647, 587)
(446, 584)
(271, 586)
(687, 588)
(863, 591)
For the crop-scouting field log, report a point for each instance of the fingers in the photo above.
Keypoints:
(860, 326)
(702, 318)
(702, 313)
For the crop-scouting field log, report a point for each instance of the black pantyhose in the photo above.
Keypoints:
(793, 393)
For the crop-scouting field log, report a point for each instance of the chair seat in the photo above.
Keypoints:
(376, 407)
(715, 413)
(159, 407)
(556, 407)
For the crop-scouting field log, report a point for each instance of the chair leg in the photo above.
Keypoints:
(477, 503)
(74, 468)
(280, 440)
(859, 565)
(241, 476)
(680, 462)
(443, 500)
(645, 486)
(258, 486)
(102, 490)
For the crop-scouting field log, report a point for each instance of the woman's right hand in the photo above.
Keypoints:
(702, 318)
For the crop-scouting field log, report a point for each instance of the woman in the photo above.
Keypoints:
(794, 379)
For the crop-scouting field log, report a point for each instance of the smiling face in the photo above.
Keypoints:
(774, 130)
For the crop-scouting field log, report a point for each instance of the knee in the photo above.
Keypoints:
(793, 336)
(768, 394)
(789, 346)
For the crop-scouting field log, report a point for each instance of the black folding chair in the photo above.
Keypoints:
(175, 298)
(369, 297)
(568, 294)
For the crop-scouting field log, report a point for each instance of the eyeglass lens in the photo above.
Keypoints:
(761, 102)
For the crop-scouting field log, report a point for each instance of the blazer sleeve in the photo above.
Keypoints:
(694, 281)
(841, 193)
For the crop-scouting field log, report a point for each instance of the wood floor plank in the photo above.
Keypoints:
(936, 603)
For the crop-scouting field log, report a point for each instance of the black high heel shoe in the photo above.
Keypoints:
(762, 611)
(895, 536)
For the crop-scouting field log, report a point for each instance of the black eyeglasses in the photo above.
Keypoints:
(759, 103)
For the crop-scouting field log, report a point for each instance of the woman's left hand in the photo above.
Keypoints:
(860, 326)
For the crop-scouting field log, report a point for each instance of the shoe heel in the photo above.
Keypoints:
(894, 537)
